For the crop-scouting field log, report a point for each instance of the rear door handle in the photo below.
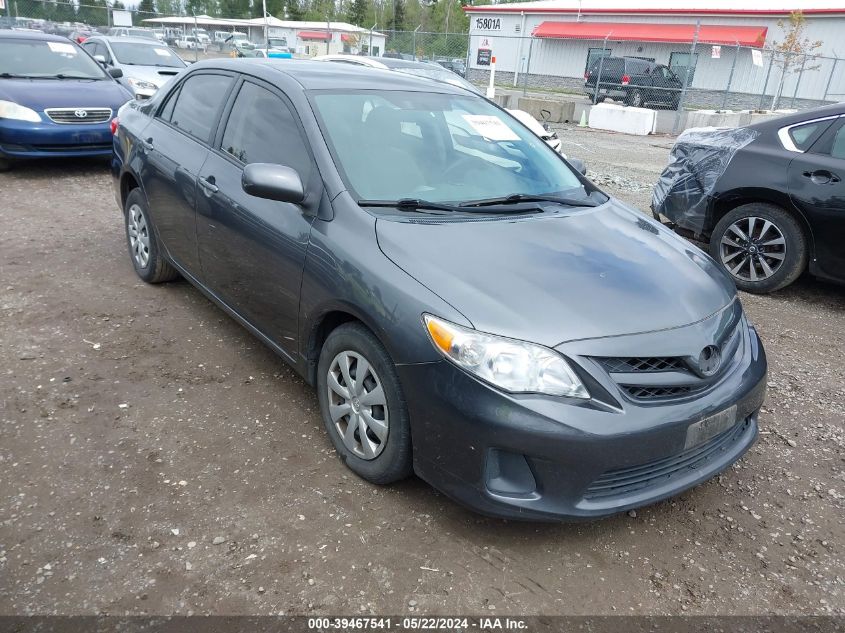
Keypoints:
(208, 184)
(822, 177)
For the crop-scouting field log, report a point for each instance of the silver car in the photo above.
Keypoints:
(147, 64)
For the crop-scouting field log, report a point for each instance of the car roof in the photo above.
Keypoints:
(29, 35)
(318, 75)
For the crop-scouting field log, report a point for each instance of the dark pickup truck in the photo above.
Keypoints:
(638, 82)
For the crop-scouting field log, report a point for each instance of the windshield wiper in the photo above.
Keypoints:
(414, 204)
(516, 198)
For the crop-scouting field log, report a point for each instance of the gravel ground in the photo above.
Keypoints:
(155, 458)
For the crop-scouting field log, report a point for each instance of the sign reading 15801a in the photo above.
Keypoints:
(488, 24)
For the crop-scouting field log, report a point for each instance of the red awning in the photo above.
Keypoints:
(345, 37)
(315, 35)
(640, 32)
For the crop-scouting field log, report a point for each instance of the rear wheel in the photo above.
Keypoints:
(144, 249)
(362, 405)
(761, 246)
(634, 98)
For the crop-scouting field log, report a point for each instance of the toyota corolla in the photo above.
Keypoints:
(468, 306)
(54, 99)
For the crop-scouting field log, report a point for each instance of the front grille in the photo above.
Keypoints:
(653, 393)
(619, 365)
(79, 116)
(624, 481)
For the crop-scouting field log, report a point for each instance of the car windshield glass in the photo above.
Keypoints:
(45, 59)
(391, 145)
(145, 55)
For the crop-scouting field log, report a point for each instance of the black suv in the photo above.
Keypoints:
(637, 81)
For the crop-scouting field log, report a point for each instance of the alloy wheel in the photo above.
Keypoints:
(357, 405)
(139, 235)
(752, 249)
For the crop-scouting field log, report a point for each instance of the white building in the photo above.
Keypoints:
(305, 38)
(556, 40)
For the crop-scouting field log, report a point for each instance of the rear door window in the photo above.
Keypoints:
(803, 136)
(198, 104)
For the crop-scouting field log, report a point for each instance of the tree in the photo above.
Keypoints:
(293, 10)
(357, 12)
(796, 53)
(146, 7)
(397, 16)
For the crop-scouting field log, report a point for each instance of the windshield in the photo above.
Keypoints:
(145, 55)
(39, 59)
(390, 145)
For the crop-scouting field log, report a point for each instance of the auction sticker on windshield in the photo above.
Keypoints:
(162, 51)
(491, 127)
(61, 47)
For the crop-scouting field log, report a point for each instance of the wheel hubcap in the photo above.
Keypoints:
(357, 405)
(752, 249)
(139, 237)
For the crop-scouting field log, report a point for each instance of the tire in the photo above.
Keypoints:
(773, 257)
(383, 458)
(144, 251)
(5, 164)
(634, 98)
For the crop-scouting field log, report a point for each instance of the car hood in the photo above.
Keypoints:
(585, 273)
(39, 94)
(154, 74)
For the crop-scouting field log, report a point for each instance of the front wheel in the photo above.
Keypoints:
(761, 246)
(362, 405)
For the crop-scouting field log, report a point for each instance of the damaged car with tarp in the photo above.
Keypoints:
(768, 198)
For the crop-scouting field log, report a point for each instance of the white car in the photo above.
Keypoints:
(188, 41)
(439, 73)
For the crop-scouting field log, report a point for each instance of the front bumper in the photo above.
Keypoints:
(540, 458)
(24, 140)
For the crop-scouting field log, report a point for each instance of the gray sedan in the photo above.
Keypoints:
(147, 64)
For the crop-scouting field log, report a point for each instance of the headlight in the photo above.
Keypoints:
(140, 84)
(12, 110)
(512, 365)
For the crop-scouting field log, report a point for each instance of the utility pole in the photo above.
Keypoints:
(266, 36)
(329, 33)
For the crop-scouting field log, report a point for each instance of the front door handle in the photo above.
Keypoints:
(147, 144)
(822, 177)
(208, 184)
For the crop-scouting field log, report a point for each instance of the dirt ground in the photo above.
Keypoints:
(156, 459)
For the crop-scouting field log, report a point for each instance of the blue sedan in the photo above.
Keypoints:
(55, 100)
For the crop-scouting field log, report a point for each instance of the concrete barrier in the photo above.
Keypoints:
(548, 110)
(717, 118)
(503, 99)
(617, 118)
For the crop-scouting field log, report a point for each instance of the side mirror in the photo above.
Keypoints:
(578, 164)
(116, 73)
(273, 182)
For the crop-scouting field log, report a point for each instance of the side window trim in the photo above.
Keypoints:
(177, 90)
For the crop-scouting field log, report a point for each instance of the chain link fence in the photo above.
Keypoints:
(697, 75)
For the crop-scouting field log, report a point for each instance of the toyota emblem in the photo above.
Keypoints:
(709, 360)
(80, 114)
